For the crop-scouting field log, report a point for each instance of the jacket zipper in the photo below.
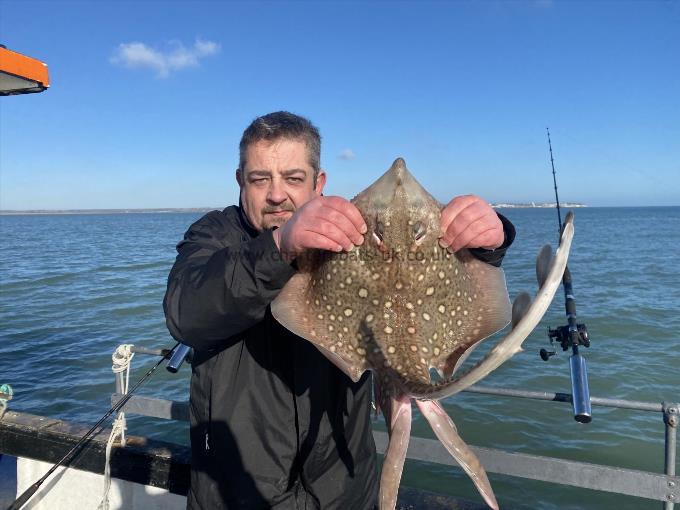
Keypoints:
(208, 426)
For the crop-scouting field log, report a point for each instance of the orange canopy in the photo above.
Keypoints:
(20, 74)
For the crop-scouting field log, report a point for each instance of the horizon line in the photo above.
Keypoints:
(141, 210)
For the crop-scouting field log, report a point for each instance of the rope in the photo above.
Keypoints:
(121, 363)
(121, 358)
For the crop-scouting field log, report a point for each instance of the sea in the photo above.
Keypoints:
(75, 286)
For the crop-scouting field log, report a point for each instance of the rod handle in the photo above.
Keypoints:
(25, 496)
(178, 357)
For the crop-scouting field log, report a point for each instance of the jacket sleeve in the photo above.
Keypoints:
(221, 282)
(495, 257)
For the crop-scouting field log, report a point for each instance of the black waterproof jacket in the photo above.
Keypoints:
(274, 424)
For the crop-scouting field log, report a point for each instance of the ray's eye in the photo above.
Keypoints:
(379, 232)
(419, 231)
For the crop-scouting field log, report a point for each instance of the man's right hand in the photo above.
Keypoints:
(326, 223)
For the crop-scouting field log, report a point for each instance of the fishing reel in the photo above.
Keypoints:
(563, 335)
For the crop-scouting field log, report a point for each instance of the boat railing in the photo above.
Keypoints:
(663, 487)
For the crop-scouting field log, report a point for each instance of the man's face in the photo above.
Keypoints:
(277, 180)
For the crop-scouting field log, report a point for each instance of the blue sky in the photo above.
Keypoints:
(149, 99)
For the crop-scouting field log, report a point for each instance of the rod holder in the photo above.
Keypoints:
(579, 389)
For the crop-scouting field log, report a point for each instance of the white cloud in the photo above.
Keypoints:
(206, 48)
(137, 55)
(347, 155)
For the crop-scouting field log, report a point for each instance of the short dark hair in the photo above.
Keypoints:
(276, 125)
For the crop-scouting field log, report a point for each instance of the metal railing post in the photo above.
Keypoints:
(671, 416)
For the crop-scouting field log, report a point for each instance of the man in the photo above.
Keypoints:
(273, 423)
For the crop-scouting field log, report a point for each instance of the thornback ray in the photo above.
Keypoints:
(400, 305)
(399, 301)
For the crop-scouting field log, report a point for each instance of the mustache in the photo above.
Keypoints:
(280, 208)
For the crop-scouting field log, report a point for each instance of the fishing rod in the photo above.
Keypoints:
(73, 452)
(572, 335)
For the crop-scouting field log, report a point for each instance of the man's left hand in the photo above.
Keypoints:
(468, 221)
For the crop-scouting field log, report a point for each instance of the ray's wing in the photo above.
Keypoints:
(526, 319)
(470, 304)
(320, 306)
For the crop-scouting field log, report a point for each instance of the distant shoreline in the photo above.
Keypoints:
(106, 211)
(536, 205)
(54, 212)
(10, 212)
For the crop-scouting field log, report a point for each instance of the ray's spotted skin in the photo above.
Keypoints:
(401, 305)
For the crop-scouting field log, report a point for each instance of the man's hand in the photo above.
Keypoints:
(326, 223)
(470, 222)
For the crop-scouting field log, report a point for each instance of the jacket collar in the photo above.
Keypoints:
(245, 223)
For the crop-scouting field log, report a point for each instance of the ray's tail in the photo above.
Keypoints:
(398, 418)
(448, 435)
